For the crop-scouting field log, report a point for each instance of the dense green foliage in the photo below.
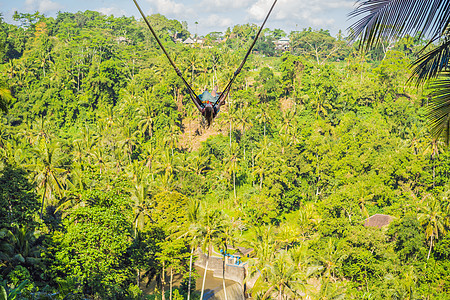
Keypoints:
(108, 180)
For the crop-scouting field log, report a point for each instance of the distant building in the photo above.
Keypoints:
(282, 44)
(189, 41)
(199, 41)
(378, 220)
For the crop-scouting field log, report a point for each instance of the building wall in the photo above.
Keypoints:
(215, 264)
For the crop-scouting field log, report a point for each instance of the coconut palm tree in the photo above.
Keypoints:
(328, 290)
(264, 115)
(139, 191)
(263, 155)
(232, 164)
(49, 175)
(193, 212)
(433, 219)
(382, 20)
(282, 277)
(210, 227)
(146, 115)
(265, 246)
(331, 257)
(226, 238)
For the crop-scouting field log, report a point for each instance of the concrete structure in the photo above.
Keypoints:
(232, 272)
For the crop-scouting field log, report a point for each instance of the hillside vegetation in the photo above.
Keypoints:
(109, 177)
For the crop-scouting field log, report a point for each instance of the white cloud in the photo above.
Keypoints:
(215, 21)
(112, 11)
(305, 12)
(42, 5)
(340, 4)
(170, 8)
(221, 6)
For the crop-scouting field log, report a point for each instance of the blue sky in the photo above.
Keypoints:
(211, 15)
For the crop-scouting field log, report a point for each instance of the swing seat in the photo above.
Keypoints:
(207, 98)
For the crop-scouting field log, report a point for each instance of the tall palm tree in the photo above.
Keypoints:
(433, 219)
(210, 227)
(263, 155)
(226, 238)
(433, 149)
(146, 115)
(287, 235)
(281, 277)
(264, 115)
(330, 258)
(381, 20)
(193, 212)
(49, 175)
(232, 164)
(265, 246)
(139, 191)
(129, 141)
(328, 290)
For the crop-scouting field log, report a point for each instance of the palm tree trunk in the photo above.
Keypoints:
(190, 274)
(253, 167)
(431, 245)
(171, 281)
(230, 131)
(234, 185)
(204, 277)
(43, 198)
(163, 282)
(260, 181)
(223, 279)
(138, 277)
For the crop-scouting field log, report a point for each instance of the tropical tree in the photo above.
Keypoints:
(139, 194)
(433, 219)
(18, 201)
(265, 246)
(281, 277)
(232, 165)
(387, 20)
(49, 176)
(194, 213)
(210, 227)
(5, 96)
(227, 238)
(331, 257)
(328, 290)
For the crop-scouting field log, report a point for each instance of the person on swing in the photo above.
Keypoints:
(209, 106)
(207, 103)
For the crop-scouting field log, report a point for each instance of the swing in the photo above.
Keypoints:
(208, 105)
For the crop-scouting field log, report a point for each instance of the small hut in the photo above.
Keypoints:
(378, 220)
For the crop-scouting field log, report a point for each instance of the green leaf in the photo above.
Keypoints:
(3, 295)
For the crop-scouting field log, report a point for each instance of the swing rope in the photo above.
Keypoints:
(192, 94)
(226, 91)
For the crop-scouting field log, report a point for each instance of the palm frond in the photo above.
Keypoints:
(388, 19)
(430, 64)
(438, 109)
